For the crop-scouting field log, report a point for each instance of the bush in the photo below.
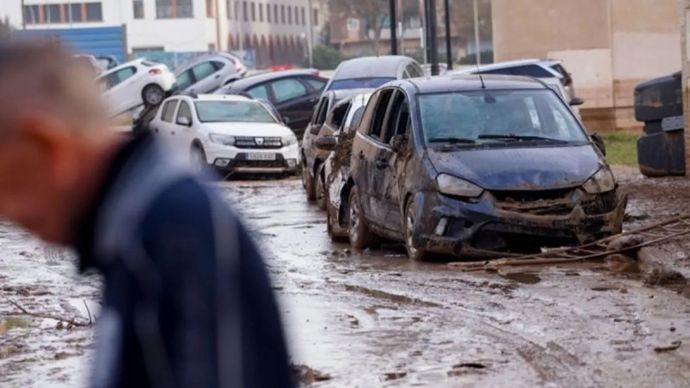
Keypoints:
(326, 57)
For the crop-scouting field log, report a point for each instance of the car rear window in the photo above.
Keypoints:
(359, 83)
(233, 111)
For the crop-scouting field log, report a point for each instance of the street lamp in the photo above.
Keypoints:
(393, 21)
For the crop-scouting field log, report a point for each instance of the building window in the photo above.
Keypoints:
(138, 8)
(210, 9)
(316, 17)
(304, 19)
(74, 14)
(52, 14)
(253, 11)
(268, 13)
(296, 15)
(228, 8)
(352, 25)
(63, 13)
(245, 13)
(275, 13)
(94, 12)
(261, 12)
(282, 14)
(289, 13)
(174, 9)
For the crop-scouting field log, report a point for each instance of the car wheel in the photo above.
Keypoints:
(153, 95)
(197, 158)
(413, 252)
(308, 184)
(360, 235)
(320, 193)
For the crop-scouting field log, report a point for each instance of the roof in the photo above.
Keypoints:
(508, 64)
(346, 93)
(248, 82)
(461, 82)
(217, 97)
(371, 67)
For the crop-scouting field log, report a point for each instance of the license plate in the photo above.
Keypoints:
(261, 156)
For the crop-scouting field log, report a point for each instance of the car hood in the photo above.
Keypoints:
(249, 129)
(533, 168)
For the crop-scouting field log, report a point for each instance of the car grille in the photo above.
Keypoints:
(544, 202)
(600, 204)
(251, 142)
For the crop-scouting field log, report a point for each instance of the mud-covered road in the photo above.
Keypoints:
(374, 318)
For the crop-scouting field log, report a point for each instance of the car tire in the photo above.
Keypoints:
(409, 223)
(308, 184)
(153, 95)
(360, 235)
(197, 158)
(320, 192)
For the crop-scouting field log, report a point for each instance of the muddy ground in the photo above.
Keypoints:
(376, 319)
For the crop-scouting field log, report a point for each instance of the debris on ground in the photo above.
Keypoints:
(307, 375)
(673, 346)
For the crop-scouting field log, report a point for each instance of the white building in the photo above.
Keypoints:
(277, 30)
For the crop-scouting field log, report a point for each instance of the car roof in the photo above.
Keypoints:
(463, 82)
(203, 58)
(371, 67)
(248, 82)
(509, 64)
(215, 97)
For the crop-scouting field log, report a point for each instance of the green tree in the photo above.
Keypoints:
(5, 29)
(374, 13)
(326, 57)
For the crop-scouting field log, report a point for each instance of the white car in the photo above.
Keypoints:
(209, 73)
(229, 132)
(135, 83)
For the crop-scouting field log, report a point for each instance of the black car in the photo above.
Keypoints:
(471, 166)
(294, 93)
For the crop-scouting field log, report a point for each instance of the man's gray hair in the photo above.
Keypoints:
(40, 75)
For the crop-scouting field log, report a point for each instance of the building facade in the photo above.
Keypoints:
(276, 31)
(608, 45)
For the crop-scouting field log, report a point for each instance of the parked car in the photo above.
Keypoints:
(135, 83)
(231, 133)
(537, 68)
(209, 73)
(107, 62)
(465, 166)
(294, 93)
(334, 174)
(372, 72)
(325, 121)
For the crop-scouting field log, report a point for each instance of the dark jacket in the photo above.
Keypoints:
(187, 301)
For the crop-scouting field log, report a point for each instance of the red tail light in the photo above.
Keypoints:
(155, 71)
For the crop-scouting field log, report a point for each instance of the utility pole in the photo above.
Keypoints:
(432, 33)
(449, 48)
(393, 21)
(685, 49)
(476, 34)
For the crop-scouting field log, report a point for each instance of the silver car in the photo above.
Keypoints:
(208, 73)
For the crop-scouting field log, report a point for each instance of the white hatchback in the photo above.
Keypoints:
(135, 83)
(229, 132)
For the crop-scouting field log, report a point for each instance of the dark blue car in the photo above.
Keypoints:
(476, 167)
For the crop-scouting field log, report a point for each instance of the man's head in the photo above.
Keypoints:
(52, 137)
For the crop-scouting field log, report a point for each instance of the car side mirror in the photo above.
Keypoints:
(576, 101)
(398, 143)
(286, 120)
(326, 143)
(599, 142)
(185, 121)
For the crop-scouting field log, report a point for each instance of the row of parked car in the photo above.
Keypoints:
(470, 164)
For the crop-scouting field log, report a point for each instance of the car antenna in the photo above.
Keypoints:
(480, 76)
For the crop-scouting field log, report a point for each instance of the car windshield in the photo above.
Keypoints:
(497, 116)
(233, 111)
(359, 83)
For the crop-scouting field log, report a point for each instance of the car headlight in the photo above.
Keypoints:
(451, 185)
(289, 140)
(222, 139)
(601, 182)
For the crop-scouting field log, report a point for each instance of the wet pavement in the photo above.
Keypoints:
(374, 318)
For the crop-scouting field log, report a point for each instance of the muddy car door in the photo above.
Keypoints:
(391, 161)
(365, 153)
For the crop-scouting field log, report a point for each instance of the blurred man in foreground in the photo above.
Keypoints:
(187, 301)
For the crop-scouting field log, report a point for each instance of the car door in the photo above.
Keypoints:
(164, 126)
(207, 76)
(185, 132)
(367, 154)
(184, 80)
(120, 96)
(292, 99)
(391, 165)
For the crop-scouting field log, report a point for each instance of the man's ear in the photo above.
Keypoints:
(51, 141)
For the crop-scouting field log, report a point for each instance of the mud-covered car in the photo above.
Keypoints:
(334, 175)
(476, 167)
(325, 121)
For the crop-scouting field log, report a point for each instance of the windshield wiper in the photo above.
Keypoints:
(452, 140)
(520, 138)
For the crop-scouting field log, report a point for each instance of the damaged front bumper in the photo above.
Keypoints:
(495, 225)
